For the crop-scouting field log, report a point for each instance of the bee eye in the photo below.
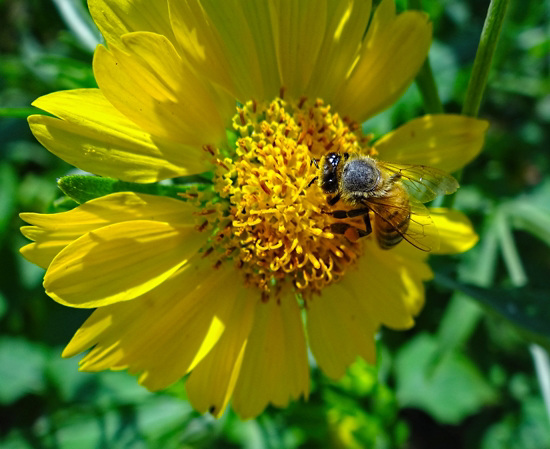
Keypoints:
(360, 176)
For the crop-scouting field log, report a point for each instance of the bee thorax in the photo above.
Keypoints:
(359, 177)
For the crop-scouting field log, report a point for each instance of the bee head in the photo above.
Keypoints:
(328, 179)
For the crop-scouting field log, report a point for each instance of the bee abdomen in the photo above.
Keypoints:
(390, 232)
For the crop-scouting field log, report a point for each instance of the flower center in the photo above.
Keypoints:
(276, 226)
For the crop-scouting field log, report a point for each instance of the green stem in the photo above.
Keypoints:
(428, 89)
(484, 56)
(509, 251)
(425, 78)
(480, 71)
(542, 367)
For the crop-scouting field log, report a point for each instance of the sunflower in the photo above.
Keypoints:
(231, 282)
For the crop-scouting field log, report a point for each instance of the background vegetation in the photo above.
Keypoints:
(471, 374)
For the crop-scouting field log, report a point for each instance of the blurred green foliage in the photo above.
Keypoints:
(463, 377)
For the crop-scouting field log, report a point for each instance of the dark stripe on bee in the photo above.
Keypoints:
(393, 215)
(390, 234)
(386, 242)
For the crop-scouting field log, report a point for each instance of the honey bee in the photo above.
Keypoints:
(394, 193)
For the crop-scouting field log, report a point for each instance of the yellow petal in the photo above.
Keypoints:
(173, 102)
(389, 283)
(393, 52)
(346, 22)
(201, 43)
(96, 137)
(164, 333)
(275, 367)
(444, 141)
(119, 262)
(197, 327)
(211, 384)
(42, 253)
(230, 37)
(298, 36)
(456, 232)
(53, 232)
(339, 330)
(117, 17)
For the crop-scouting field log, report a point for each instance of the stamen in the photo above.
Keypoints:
(273, 226)
(209, 149)
(202, 226)
(207, 252)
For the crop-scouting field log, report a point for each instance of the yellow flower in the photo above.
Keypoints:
(215, 284)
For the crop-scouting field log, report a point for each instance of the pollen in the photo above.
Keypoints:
(273, 219)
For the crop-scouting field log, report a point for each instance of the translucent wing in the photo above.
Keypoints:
(422, 182)
(422, 232)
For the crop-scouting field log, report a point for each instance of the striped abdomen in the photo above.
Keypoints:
(392, 217)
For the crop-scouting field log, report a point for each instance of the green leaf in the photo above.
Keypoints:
(15, 440)
(17, 112)
(82, 188)
(65, 376)
(159, 422)
(528, 309)
(529, 430)
(121, 388)
(449, 387)
(532, 219)
(22, 366)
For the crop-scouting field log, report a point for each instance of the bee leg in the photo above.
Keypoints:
(368, 225)
(314, 162)
(349, 213)
(340, 214)
(358, 212)
(351, 232)
(333, 201)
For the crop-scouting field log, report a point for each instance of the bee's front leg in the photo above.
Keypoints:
(349, 213)
(332, 201)
(368, 225)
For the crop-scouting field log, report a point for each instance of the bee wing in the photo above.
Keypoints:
(422, 232)
(422, 182)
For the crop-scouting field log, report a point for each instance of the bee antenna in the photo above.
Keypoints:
(314, 162)
(312, 181)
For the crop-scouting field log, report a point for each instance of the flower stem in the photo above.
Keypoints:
(480, 71)
(426, 84)
(425, 78)
(484, 56)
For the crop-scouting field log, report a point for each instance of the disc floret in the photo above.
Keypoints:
(276, 226)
